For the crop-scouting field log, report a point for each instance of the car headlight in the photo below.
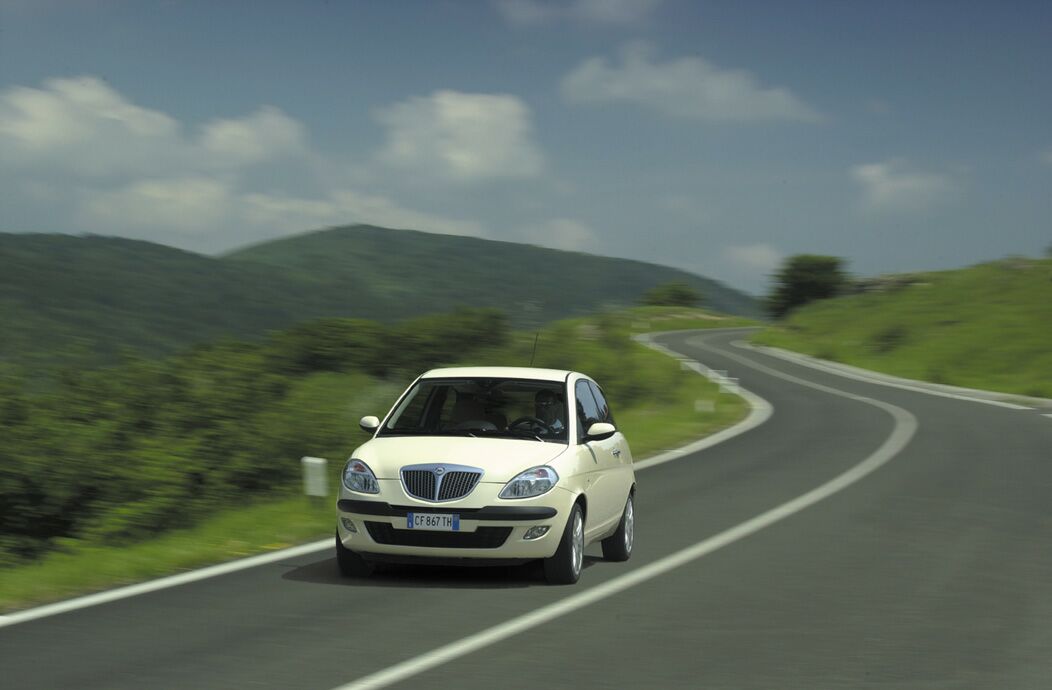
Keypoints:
(533, 482)
(358, 477)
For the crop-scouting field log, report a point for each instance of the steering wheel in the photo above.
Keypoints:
(534, 423)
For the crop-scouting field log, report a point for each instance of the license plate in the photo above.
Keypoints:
(440, 522)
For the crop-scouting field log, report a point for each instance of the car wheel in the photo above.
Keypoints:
(564, 568)
(351, 564)
(618, 546)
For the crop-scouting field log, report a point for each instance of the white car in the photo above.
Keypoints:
(484, 465)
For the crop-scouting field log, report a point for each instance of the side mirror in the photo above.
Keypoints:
(600, 431)
(369, 424)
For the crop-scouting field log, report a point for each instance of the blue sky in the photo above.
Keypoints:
(719, 137)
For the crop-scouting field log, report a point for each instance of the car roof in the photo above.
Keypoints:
(499, 372)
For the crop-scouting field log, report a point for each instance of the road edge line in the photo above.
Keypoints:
(110, 595)
(760, 410)
(850, 371)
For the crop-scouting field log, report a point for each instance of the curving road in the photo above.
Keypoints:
(863, 536)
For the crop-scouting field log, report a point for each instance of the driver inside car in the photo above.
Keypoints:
(549, 409)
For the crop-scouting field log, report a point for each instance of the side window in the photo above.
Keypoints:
(587, 410)
(604, 409)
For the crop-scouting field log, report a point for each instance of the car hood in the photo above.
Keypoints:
(499, 458)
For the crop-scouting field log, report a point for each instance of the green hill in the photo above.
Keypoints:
(987, 326)
(66, 299)
(86, 298)
(406, 272)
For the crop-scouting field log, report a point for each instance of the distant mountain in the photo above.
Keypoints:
(86, 298)
(410, 272)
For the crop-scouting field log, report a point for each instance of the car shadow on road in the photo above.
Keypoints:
(325, 572)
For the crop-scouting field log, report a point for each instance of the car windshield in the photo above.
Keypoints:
(489, 407)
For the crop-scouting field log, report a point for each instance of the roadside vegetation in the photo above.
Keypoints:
(805, 278)
(987, 326)
(134, 471)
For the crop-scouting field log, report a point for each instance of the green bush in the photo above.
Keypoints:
(672, 295)
(118, 454)
(805, 278)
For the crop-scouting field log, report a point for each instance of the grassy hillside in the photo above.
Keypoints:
(68, 299)
(407, 273)
(988, 326)
(72, 299)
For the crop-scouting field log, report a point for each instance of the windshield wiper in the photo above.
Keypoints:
(473, 433)
(525, 434)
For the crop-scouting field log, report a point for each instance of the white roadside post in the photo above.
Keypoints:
(704, 406)
(730, 385)
(315, 479)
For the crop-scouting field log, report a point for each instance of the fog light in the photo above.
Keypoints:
(348, 525)
(535, 532)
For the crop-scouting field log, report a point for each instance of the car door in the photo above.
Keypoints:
(601, 490)
(622, 466)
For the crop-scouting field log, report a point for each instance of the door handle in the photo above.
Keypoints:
(617, 452)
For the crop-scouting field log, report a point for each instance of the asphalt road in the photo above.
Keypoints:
(932, 571)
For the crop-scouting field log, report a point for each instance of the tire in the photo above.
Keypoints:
(564, 568)
(618, 546)
(350, 563)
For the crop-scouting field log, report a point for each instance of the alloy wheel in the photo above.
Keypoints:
(630, 523)
(577, 544)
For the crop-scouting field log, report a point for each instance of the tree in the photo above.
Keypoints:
(804, 278)
(672, 295)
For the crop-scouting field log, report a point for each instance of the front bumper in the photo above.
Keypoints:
(491, 529)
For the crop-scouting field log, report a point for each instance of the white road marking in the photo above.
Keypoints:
(759, 413)
(162, 583)
(878, 378)
(905, 427)
(1047, 415)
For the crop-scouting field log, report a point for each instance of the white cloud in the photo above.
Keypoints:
(126, 169)
(83, 127)
(462, 137)
(754, 258)
(689, 87)
(203, 205)
(533, 12)
(895, 186)
(68, 110)
(267, 133)
(561, 233)
(192, 205)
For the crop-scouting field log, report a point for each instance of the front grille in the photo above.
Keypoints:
(419, 483)
(457, 485)
(437, 482)
(481, 538)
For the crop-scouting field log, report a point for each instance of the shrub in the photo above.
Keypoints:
(672, 295)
